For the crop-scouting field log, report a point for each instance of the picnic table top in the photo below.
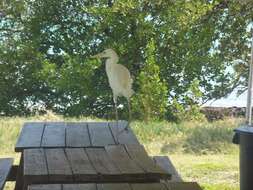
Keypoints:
(73, 134)
(113, 163)
(119, 186)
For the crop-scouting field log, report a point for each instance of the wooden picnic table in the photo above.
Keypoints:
(112, 163)
(68, 152)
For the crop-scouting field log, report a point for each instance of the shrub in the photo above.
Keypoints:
(150, 101)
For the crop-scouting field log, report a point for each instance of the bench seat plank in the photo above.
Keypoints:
(5, 167)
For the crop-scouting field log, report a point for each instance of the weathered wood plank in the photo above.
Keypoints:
(100, 134)
(30, 136)
(5, 167)
(122, 160)
(77, 135)
(54, 135)
(140, 156)
(107, 186)
(123, 136)
(90, 186)
(167, 165)
(45, 187)
(113, 186)
(35, 166)
(101, 161)
(80, 164)
(151, 186)
(183, 186)
(58, 165)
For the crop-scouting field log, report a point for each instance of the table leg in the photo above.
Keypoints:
(20, 178)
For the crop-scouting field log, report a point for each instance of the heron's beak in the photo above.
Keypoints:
(96, 56)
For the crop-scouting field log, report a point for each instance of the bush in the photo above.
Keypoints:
(188, 107)
(150, 101)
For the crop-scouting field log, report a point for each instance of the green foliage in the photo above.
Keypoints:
(188, 108)
(151, 98)
(45, 47)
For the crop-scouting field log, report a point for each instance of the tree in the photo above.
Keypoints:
(151, 99)
(47, 44)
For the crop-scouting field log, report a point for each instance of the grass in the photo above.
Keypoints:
(201, 152)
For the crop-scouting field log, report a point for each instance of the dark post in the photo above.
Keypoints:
(244, 138)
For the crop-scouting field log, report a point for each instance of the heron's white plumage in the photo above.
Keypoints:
(119, 78)
(118, 75)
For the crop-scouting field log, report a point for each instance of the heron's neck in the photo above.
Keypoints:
(112, 60)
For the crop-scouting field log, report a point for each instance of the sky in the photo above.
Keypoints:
(230, 101)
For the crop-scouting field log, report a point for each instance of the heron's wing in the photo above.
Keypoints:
(124, 76)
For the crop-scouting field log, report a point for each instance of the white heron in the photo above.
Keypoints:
(119, 79)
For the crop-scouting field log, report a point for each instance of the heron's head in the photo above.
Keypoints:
(108, 53)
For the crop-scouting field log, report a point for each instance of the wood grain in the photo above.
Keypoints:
(54, 135)
(151, 186)
(5, 167)
(113, 186)
(35, 166)
(45, 187)
(140, 156)
(101, 161)
(90, 186)
(165, 163)
(58, 165)
(30, 136)
(122, 160)
(183, 186)
(80, 164)
(77, 135)
(123, 136)
(100, 134)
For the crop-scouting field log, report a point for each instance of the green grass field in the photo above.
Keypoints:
(201, 152)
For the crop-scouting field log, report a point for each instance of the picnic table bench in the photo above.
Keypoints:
(5, 168)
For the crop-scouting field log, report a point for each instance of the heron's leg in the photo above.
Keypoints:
(129, 114)
(117, 118)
